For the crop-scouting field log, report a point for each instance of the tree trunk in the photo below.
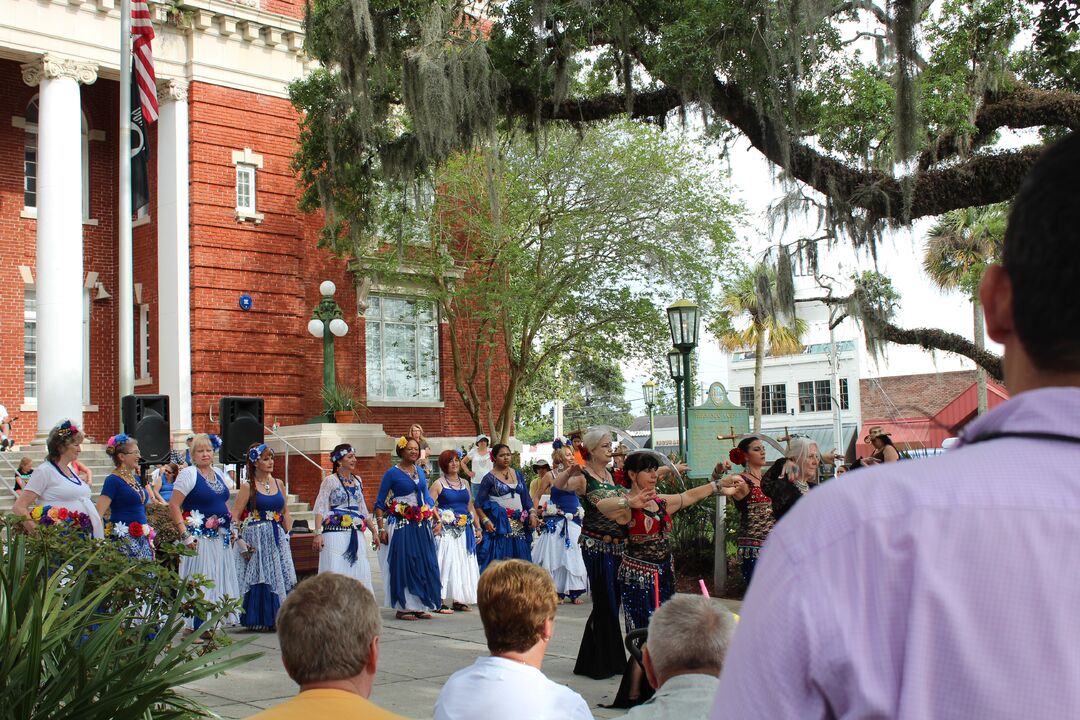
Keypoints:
(759, 368)
(980, 345)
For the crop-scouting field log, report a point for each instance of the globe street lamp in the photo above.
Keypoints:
(674, 361)
(648, 389)
(683, 321)
(326, 322)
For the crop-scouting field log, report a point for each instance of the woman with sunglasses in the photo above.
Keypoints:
(124, 498)
(341, 519)
(265, 566)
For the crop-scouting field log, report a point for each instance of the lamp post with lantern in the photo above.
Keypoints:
(683, 321)
(648, 389)
(674, 361)
(326, 322)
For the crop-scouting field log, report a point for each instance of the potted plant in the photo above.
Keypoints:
(341, 400)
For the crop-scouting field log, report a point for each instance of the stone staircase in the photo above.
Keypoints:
(100, 464)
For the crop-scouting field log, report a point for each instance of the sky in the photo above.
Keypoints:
(899, 257)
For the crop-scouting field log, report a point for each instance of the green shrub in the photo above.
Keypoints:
(90, 634)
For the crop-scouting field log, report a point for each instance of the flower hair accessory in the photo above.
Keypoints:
(67, 428)
(256, 452)
(117, 440)
(737, 456)
(338, 455)
(402, 442)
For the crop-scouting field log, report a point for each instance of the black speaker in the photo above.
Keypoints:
(241, 425)
(146, 418)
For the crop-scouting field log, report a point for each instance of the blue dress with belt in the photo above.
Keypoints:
(410, 564)
(268, 575)
(127, 510)
(506, 506)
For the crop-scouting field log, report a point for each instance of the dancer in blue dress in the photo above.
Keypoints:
(556, 549)
(506, 512)
(406, 519)
(342, 520)
(264, 567)
(199, 508)
(458, 568)
(124, 497)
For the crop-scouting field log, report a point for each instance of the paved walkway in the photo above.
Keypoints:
(415, 660)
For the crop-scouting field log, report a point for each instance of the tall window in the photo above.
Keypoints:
(30, 159)
(816, 396)
(30, 367)
(402, 349)
(142, 335)
(245, 188)
(773, 399)
(29, 346)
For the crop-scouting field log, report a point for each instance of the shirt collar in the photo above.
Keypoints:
(689, 681)
(1050, 410)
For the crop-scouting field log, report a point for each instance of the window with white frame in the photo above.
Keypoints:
(30, 350)
(142, 355)
(30, 158)
(816, 395)
(402, 336)
(245, 189)
(773, 398)
(30, 378)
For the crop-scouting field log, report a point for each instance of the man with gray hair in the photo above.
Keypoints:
(688, 638)
(328, 628)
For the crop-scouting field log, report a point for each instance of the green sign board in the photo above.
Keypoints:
(716, 416)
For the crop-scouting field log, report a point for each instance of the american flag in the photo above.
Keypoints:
(143, 67)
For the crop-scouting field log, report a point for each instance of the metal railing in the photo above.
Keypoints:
(289, 446)
(13, 468)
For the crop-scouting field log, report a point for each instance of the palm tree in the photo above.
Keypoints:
(753, 294)
(959, 246)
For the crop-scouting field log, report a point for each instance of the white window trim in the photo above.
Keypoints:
(144, 342)
(248, 161)
(436, 402)
(87, 135)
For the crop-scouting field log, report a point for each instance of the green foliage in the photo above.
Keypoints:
(89, 633)
(340, 398)
(960, 246)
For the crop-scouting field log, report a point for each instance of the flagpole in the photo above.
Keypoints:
(125, 283)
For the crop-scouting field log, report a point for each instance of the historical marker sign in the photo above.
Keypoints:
(716, 416)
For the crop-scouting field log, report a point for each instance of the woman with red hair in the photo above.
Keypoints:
(456, 550)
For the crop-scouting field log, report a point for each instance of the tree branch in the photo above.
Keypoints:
(937, 339)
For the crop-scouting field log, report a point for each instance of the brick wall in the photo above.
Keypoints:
(305, 480)
(908, 396)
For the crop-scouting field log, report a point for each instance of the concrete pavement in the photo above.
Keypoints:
(416, 659)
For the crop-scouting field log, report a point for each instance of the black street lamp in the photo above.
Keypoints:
(648, 389)
(683, 321)
(674, 361)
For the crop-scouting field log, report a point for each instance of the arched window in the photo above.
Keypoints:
(30, 164)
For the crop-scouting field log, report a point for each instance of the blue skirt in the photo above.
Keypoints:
(414, 565)
(260, 608)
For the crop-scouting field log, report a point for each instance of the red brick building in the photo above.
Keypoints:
(222, 222)
(921, 411)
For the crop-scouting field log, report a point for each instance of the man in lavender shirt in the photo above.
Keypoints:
(945, 588)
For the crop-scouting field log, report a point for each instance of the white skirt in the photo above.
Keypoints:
(412, 602)
(458, 570)
(218, 563)
(332, 557)
(565, 564)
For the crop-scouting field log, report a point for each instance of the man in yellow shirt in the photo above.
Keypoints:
(329, 627)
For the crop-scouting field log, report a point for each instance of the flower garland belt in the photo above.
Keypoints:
(208, 527)
(347, 518)
(49, 515)
(454, 524)
(557, 523)
(404, 513)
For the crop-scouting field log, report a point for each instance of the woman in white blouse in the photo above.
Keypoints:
(54, 484)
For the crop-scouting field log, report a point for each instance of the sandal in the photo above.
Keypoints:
(443, 610)
(405, 616)
(422, 615)
(462, 607)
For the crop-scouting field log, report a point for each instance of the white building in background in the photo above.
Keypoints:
(798, 392)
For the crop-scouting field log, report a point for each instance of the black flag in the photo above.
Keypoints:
(140, 153)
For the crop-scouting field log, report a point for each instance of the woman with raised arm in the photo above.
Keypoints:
(557, 549)
(406, 519)
(792, 477)
(458, 568)
(754, 506)
(341, 518)
(603, 541)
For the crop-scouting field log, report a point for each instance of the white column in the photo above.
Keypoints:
(174, 258)
(59, 271)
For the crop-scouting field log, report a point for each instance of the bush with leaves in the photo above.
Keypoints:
(90, 633)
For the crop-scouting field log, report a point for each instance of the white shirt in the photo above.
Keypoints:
(494, 688)
(480, 463)
(3, 413)
(61, 491)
